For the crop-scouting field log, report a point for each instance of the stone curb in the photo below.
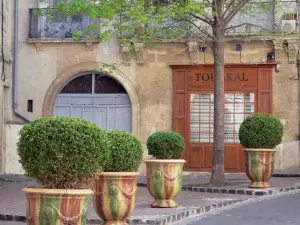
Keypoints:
(286, 175)
(240, 191)
(153, 220)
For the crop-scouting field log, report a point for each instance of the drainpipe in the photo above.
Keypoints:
(297, 13)
(15, 67)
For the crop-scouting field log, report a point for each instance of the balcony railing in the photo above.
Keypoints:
(48, 23)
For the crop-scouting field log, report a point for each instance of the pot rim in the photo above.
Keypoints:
(119, 174)
(164, 161)
(32, 190)
(260, 150)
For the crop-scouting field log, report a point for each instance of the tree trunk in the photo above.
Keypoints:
(218, 173)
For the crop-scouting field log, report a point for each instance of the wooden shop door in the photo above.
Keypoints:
(248, 90)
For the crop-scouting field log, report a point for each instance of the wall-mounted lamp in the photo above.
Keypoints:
(202, 49)
(277, 68)
(271, 57)
(238, 48)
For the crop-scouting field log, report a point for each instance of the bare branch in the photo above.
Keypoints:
(245, 24)
(199, 28)
(228, 7)
(235, 11)
(215, 9)
(205, 19)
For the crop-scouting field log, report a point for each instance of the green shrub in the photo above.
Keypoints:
(165, 145)
(261, 131)
(126, 152)
(62, 152)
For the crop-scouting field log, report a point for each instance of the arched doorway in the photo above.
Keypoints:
(98, 98)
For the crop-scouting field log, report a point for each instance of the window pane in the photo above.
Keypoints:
(249, 108)
(239, 98)
(229, 97)
(239, 118)
(204, 97)
(237, 128)
(106, 84)
(195, 127)
(204, 128)
(194, 137)
(249, 97)
(204, 117)
(229, 108)
(79, 85)
(205, 107)
(229, 128)
(229, 138)
(237, 107)
(195, 117)
(195, 107)
(204, 137)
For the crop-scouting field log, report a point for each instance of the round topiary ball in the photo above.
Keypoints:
(261, 130)
(62, 152)
(165, 145)
(126, 152)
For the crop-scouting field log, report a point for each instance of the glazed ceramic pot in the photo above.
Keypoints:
(57, 206)
(259, 166)
(114, 196)
(164, 181)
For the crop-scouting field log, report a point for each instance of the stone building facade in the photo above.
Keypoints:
(46, 66)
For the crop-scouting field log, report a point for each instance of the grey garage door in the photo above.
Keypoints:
(110, 111)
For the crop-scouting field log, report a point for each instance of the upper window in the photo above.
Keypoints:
(47, 23)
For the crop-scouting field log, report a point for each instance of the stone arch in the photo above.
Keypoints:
(73, 71)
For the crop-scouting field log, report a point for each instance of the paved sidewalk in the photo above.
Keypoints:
(198, 197)
(235, 184)
(13, 205)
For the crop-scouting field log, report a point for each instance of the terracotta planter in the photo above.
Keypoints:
(114, 196)
(259, 166)
(164, 181)
(57, 206)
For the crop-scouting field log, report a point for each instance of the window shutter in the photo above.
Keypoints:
(179, 103)
(264, 104)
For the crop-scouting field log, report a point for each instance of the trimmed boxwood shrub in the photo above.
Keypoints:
(126, 152)
(165, 145)
(261, 130)
(62, 152)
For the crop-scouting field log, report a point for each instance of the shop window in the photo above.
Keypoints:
(238, 106)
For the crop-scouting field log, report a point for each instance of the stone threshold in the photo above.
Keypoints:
(154, 220)
(239, 191)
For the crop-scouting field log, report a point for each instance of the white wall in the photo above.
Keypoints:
(12, 165)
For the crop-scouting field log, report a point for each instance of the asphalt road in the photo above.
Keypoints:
(277, 211)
